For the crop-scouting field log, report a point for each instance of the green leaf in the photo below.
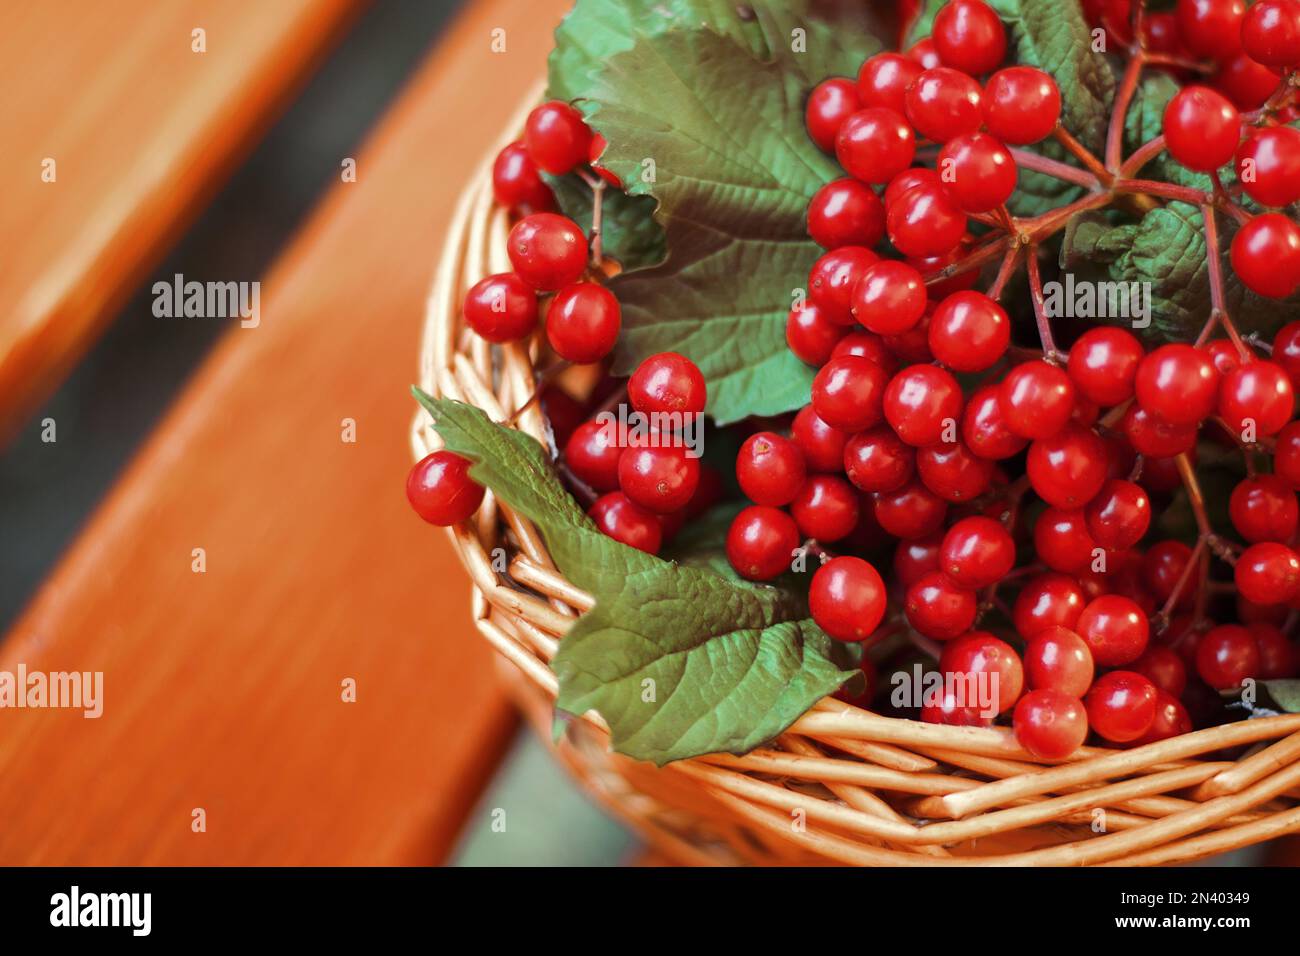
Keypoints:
(1285, 693)
(703, 110)
(629, 233)
(678, 659)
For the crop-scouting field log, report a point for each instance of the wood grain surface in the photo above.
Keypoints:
(222, 689)
(141, 130)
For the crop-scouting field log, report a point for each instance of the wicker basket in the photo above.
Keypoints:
(843, 785)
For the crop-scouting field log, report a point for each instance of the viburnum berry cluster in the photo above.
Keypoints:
(1018, 486)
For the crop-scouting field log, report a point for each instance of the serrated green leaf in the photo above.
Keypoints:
(729, 665)
(1285, 693)
(629, 233)
(703, 110)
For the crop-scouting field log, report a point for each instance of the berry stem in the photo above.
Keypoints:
(1151, 187)
(1050, 353)
(1142, 155)
(1218, 305)
(1051, 167)
(1083, 154)
(1193, 562)
(1005, 272)
(597, 186)
(1115, 134)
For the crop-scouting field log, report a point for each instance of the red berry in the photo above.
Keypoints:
(878, 460)
(932, 264)
(667, 382)
(1171, 720)
(440, 489)
(1268, 165)
(848, 393)
(952, 472)
(1256, 399)
(924, 53)
(583, 322)
(516, 184)
(943, 103)
(1226, 656)
(1059, 659)
(597, 149)
(875, 145)
(1021, 105)
(977, 172)
(1062, 541)
(1069, 468)
(557, 137)
(1286, 455)
(1047, 600)
(1286, 352)
(847, 598)
(501, 308)
(1270, 33)
(908, 180)
(833, 279)
(826, 508)
(911, 346)
(1277, 655)
(1163, 667)
(812, 336)
(915, 558)
(661, 479)
(884, 79)
(922, 403)
(761, 542)
(622, 519)
(969, 36)
(984, 429)
(1263, 508)
(925, 222)
(938, 608)
(1164, 567)
(846, 212)
(1266, 255)
(948, 706)
(592, 455)
(981, 653)
(1121, 706)
(822, 446)
(1103, 365)
(889, 298)
(969, 332)
(1037, 399)
(548, 251)
(869, 346)
(1246, 82)
(1115, 629)
(977, 552)
(770, 469)
(912, 511)
(1178, 383)
(1268, 573)
(829, 105)
(1049, 724)
(1120, 515)
(1211, 28)
(1201, 128)
(1155, 438)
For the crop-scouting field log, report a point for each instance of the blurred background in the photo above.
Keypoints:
(223, 163)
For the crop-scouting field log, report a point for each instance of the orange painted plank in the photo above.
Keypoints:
(141, 130)
(222, 689)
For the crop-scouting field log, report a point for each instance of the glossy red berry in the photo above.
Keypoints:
(938, 608)
(981, 653)
(829, 105)
(1266, 255)
(1022, 105)
(770, 469)
(1069, 468)
(925, 222)
(1037, 399)
(943, 104)
(667, 382)
(948, 706)
(547, 250)
(1286, 455)
(889, 298)
(1178, 383)
(1163, 667)
(1202, 128)
(1226, 656)
(1103, 365)
(977, 172)
(1063, 542)
(811, 336)
(1115, 629)
(977, 552)
(969, 332)
(878, 460)
(592, 455)
(952, 472)
(924, 53)
(1059, 659)
(908, 180)
(1268, 165)
(1268, 573)
(1270, 33)
(440, 489)
(516, 183)
(661, 479)
(557, 137)
(969, 36)
(1164, 567)
(501, 308)
(1278, 656)
(597, 149)
(848, 393)
(1256, 400)
(875, 145)
(1246, 82)
(1047, 600)
(846, 212)
(847, 598)
(1211, 28)
(1263, 508)
(1154, 437)
(1121, 706)
(1286, 352)
(833, 278)
(822, 446)
(1120, 515)
(915, 558)
(884, 79)
(922, 404)
(761, 543)
(622, 519)
(984, 429)
(869, 346)
(1049, 724)
(912, 511)
(826, 508)
(583, 322)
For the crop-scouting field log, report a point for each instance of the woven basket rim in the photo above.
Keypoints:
(948, 786)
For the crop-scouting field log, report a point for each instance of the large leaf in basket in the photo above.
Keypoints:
(702, 104)
(679, 659)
